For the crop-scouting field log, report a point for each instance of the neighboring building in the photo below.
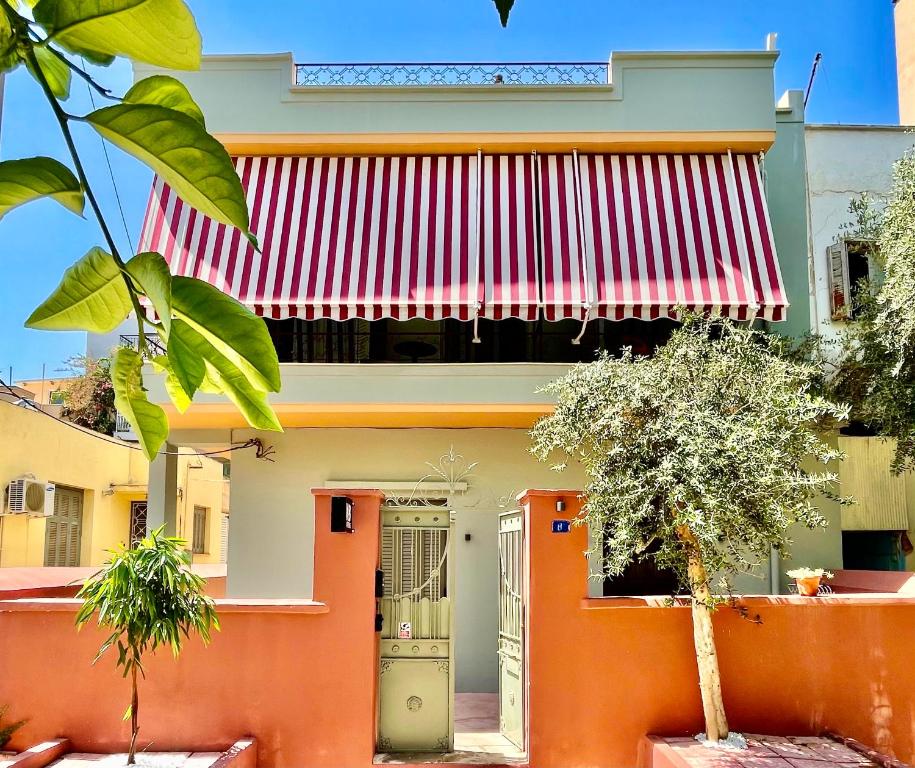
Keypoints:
(844, 162)
(98, 494)
(432, 254)
(48, 391)
(904, 13)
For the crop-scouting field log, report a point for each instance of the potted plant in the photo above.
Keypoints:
(808, 580)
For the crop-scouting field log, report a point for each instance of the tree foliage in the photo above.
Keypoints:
(89, 397)
(694, 457)
(158, 122)
(874, 367)
(148, 597)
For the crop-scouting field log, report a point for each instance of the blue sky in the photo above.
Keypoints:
(856, 84)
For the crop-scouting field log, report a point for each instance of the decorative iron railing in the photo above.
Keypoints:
(153, 348)
(453, 73)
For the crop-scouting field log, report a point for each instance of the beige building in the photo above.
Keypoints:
(904, 12)
(82, 494)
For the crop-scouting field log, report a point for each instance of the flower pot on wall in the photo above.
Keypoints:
(808, 587)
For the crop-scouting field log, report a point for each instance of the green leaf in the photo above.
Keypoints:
(92, 296)
(186, 347)
(180, 150)
(184, 357)
(173, 387)
(147, 418)
(22, 181)
(55, 71)
(251, 402)
(504, 7)
(235, 331)
(149, 272)
(166, 92)
(158, 32)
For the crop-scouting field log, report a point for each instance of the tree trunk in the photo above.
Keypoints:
(716, 723)
(134, 727)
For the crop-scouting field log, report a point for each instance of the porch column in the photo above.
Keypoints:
(162, 496)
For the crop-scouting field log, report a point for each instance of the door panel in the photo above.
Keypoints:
(512, 605)
(63, 529)
(416, 682)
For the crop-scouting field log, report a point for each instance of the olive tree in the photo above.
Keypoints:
(212, 342)
(694, 457)
(148, 597)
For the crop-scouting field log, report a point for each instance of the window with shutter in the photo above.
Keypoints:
(224, 539)
(198, 545)
(838, 279)
(63, 529)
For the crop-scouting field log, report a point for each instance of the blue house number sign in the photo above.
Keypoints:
(561, 526)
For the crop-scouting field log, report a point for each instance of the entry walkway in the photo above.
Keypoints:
(477, 740)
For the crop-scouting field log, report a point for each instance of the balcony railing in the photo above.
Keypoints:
(530, 73)
(154, 346)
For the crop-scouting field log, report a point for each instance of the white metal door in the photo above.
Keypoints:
(512, 604)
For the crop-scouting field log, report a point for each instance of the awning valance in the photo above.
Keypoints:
(609, 236)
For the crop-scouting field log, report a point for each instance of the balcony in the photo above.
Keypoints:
(152, 348)
(471, 74)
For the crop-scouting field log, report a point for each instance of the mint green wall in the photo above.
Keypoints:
(729, 91)
(786, 177)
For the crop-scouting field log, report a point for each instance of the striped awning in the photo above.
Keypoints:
(590, 236)
(667, 231)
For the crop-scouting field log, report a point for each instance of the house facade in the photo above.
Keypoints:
(437, 243)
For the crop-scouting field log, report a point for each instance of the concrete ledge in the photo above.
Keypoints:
(251, 605)
(41, 754)
(754, 601)
(242, 754)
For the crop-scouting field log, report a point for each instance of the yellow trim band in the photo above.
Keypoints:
(283, 144)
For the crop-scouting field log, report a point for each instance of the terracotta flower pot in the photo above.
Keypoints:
(809, 586)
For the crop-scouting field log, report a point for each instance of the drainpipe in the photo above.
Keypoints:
(775, 569)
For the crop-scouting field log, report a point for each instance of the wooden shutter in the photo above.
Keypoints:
(224, 539)
(63, 529)
(839, 289)
(198, 545)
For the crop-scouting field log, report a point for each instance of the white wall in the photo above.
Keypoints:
(842, 163)
(100, 344)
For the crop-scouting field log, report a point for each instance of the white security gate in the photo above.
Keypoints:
(417, 691)
(512, 604)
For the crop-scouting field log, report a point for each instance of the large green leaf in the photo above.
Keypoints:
(173, 387)
(22, 181)
(92, 296)
(180, 150)
(149, 272)
(159, 32)
(191, 354)
(166, 92)
(231, 328)
(55, 71)
(9, 58)
(184, 357)
(148, 419)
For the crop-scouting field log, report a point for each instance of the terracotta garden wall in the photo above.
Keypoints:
(300, 676)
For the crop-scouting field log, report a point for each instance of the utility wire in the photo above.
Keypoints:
(114, 185)
(262, 451)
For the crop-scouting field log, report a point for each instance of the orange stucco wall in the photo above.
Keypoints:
(302, 682)
(301, 676)
(605, 672)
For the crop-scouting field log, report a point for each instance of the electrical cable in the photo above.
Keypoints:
(262, 451)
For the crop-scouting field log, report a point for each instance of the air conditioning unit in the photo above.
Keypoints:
(28, 496)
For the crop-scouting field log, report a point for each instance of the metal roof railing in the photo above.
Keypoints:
(405, 74)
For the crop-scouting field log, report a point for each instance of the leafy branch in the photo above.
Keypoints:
(211, 340)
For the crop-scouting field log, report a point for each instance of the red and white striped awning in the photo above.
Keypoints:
(609, 236)
(667, 231)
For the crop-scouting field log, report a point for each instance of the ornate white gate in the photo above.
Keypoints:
(417, 689)
(512, 604)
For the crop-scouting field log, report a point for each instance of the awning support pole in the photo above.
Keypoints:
(476, 326)
(479, 249)
(584, 326)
